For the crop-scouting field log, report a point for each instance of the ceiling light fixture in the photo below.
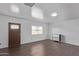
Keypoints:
(54, 14)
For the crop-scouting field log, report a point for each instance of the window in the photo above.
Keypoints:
(15, 9)
(14, 26)
(37, 13)
(36, 30)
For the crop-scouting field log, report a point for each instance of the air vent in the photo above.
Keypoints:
(29, 4)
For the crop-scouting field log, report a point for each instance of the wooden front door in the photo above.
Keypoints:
(14, 35)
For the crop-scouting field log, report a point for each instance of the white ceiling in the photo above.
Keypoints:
(66, 11)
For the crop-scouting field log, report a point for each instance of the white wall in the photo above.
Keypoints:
(26, 36)
(69, 28)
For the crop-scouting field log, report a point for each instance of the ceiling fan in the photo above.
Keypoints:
(29, 4)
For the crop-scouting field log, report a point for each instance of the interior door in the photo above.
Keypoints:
(14, 35)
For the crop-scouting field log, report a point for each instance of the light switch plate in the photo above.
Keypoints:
(0, 43)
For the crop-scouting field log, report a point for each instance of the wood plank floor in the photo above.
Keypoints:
(42, 48)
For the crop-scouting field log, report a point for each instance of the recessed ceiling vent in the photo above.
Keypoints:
(29, 4)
